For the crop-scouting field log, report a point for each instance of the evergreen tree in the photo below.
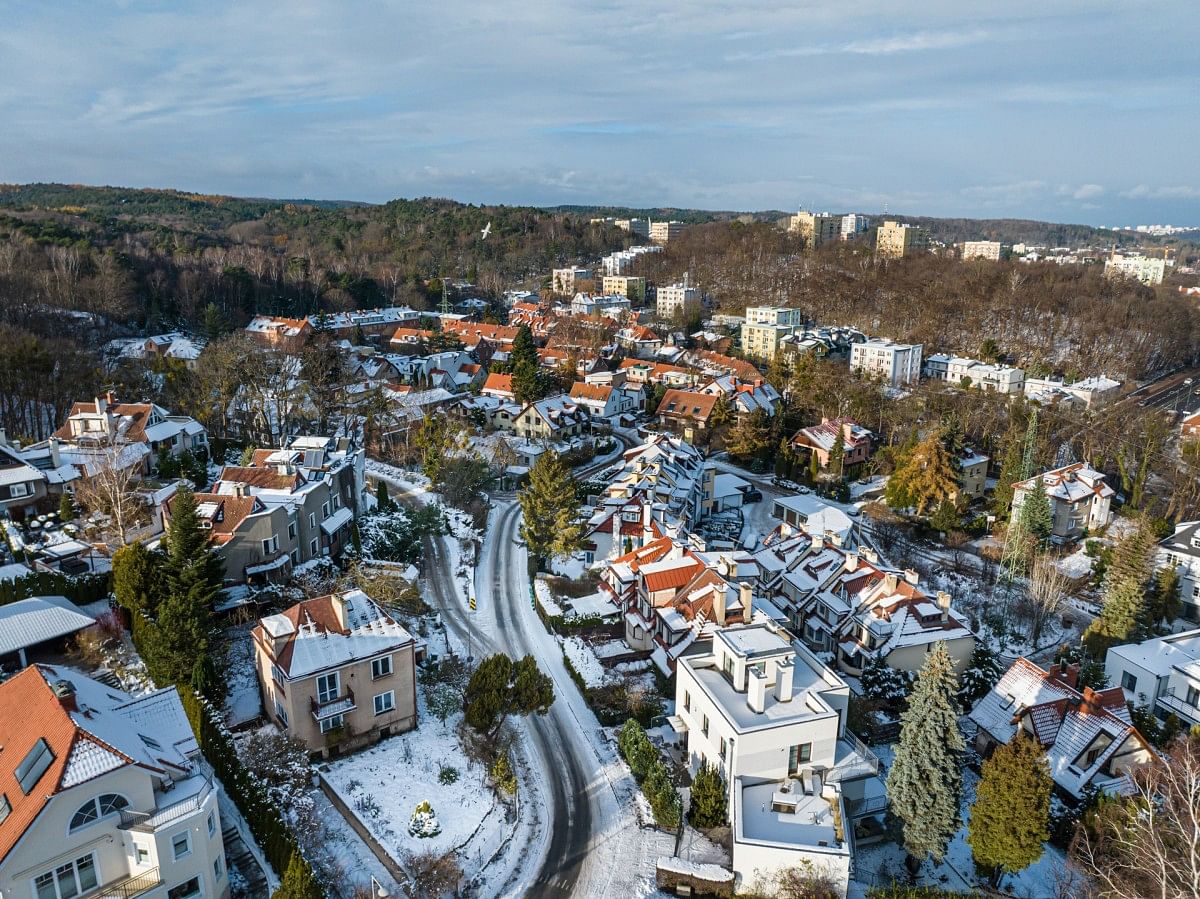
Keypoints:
(837, 455)
(137, 579)
(433, 440)
(551, 526)
(946, 518)
(1010, 818)
(213, 324)
(722, 412)
(383, 502)
(190, 555)
(636, 749)
(1164, 601)
(983, 672)
(1125, 611)
(298, 881)
(1037, 519)
(523, 362)
(814, 467)
(749, 437)
(1010, 469)
(66, 508)
(926, 777)
(709, 805)
(924, 477)
(500, 687)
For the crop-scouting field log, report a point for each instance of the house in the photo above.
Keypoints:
(23, 488)
(1189, 427)
(499, 386)
(670, 472)
(745, 398)
(277, 332)
(475, 334)
(960, 371)
(687, 412)
(310, 659)
(971, 468)
(35, 622)
(1079, 500)
(552, 419)
(1087, 734)
(103, 794)
(1181, 551)
(406, 338)
(772, 719)
(712, 364)
(603, 402)
(810, 515)
(820, 440)
(566, 281)
(597, 304)
(640, 372)
(175, 345)
(640, 341)
(620, 525)
(105, 422)
(1096, 391)
(1162, 674)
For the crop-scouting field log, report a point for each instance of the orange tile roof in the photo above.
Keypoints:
(672, 578)
(598, 392)
(233, 510)
(498, 383)
(687, 404)
(265, 478)
(495, 333)
(137, 412)
(411, 335)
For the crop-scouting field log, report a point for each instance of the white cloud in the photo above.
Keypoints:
(1176, 192)
(882, 46)
(1088, 191)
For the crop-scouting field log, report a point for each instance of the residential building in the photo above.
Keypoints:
(596, 304)
(676, 301)
(499, 386)
(1096, 391)
(640, 227)
(103, 794)
(820, 440)
(622, 261)
(687, 412)
(105, 423)
(964, 372)
(808, 514)
(1189, 426)
(714, 364)
(474, 335)
(1181, 551)
(668, 471)
(23, 488)
(628, 286)
(897, 239)
(854, 225)
(290, 334)
(971, 469)
(767, 327)
(639, 371)
(1161, 674)
(1087, 735)
(565, 280)
(664, 232)
(815, 228)
(1147, 269)
(552, 419)
(982, 249)
(771, 718)
(604, 403)
(1079, 496)
(744, 398)
(775, 315)
(277, 332)
(899, 364)
(337, 672)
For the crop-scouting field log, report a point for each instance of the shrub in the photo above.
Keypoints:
(503, 776)
(447, 775)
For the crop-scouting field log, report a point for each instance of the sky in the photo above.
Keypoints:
(1065, 110)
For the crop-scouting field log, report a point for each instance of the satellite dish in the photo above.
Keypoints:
(486, 231)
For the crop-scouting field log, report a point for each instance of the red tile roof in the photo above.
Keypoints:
(498, 383)
(687, 404)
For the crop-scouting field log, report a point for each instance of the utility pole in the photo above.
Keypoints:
(1014, 562)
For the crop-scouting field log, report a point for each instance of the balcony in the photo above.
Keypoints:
(852, 760)
(129, 887)
(338, 705)
(1180, 707)
(187, 797)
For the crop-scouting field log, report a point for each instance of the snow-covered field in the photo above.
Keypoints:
(584, 661)
(243, 702)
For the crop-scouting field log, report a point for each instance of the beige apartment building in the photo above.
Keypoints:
(567, 280)
(766, 327)
(628, 286)
(982, 249)
(664, 232)
(675, 300)
(337, 672)
(897, 239)
(815, 228)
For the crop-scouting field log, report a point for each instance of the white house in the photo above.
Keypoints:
(1182, 552)
(1162, 673)
(772, 719)
(103, 794)
(1079, 500)
(899, 364)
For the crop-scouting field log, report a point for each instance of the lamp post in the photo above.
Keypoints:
(378, 890)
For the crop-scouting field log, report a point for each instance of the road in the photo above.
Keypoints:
(1170, 392)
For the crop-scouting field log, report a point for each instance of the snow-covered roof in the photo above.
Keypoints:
(1161, 655)
(28, 622)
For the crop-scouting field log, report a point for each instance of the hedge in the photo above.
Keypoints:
(81, 589)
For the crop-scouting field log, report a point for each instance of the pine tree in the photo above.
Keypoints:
(66, 508)
(749, 437)
(433, 440)
(1164, 602)
(946, 518)
(925, 781)
(1037, 519)
(924, 477)
(1125, 611)
(983, 672)
(523, 362)
(552, 525)
(298, 881)
(1010, 469)
(636, 749)
(1010, 818)
(383, 502)
(213, 324)
(137, 579)
(709, 806)
(837, 454)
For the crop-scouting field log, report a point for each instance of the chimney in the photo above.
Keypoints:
(101, 405)
(746, 594)
(890, 583)
(3, 437)
(65, 691)
(239, 490)
(111, 397)
(869, 554)
(756, 690)
(911, 576)
(719, 605)
(341, 610)
(1071, 675)
(783, 680)
(55, 455)
(943, 603)
(851, 561)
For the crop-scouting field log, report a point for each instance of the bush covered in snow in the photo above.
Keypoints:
(395, 535)
(881, 681)
(424, 822)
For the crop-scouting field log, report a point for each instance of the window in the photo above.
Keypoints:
(277, 675)
(181, 845)
(704, 726)
(1128, 681)
(381, 667)
(324, 510)
(337, 501)
(295, 557)
(271, 545)
(5, 808)
(141, 853)
(1193, 697)
(312, 547)
(67, 880)
(327, 687)
(687, 701)
(15, 490)
(212, 825)
(385, 702)
(329, 724)
(150, 741)
(218, 871)
(186, 890)
(281, 713)
(95, 809)
(799, 755)
(291, 530)
(34, 765)
(722, 749)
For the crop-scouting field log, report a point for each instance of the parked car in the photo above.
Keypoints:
(753, 495)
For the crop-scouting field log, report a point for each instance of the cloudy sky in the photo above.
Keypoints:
(1070, 110)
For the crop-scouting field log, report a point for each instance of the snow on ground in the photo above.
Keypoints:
(357, 861)
(1077, 565)
(574, 566)
(385, 784)
(584, 661)
(243, 702)
(610, 649)
(596, 604)
(546, 600)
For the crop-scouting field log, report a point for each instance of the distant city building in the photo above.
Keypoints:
(621, 262)
(640, 227)
(1146, 269)
(897, 363)
(594, 304)
(676, 299)
(664, 232)
(896, 239)
(628, 286)
(953, 369)
(563, 280)
(854, 225)
(982, 249)
(766, 327)
(815, 228)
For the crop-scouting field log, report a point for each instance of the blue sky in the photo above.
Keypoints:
(1080, 111)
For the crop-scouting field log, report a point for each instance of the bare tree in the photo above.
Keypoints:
(1148, 844)
(1045, 595)
(109, 489)
(432, 874)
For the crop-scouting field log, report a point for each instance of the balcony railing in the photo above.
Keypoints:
(148, 822)
(129, 887)
(1175, 704)
(339, 705)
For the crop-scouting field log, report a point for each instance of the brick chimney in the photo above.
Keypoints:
(746, 595)
(943, 603)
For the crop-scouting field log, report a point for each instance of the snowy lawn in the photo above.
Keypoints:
(584, 661)
(596, 604)
(384, 785)
(243, 702)
(546, 599)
